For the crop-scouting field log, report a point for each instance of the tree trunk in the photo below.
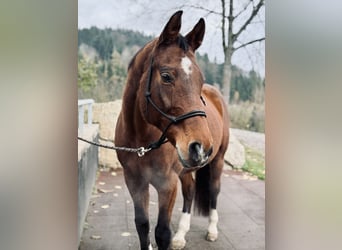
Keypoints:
(227, 73)
(227, 48)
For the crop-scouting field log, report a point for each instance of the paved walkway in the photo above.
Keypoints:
(251, 139)
(241, 208)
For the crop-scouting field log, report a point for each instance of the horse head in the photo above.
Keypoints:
(172, 86)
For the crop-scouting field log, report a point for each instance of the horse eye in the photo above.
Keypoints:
(166, 77)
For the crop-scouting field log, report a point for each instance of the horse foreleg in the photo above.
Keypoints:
(166, 198)
(142, 225)
(140, 195)
(188, 190)
(215, 185)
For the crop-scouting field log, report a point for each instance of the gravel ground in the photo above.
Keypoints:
(251, 139)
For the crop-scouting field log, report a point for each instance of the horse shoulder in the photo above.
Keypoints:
(219, 118)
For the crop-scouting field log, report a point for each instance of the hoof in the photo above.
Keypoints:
(178, 244)
(212, 236)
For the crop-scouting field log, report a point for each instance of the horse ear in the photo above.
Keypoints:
(171, 29)
(195, 37)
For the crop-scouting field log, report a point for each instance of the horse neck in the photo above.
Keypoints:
(132, 115)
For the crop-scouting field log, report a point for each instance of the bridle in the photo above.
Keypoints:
(173, 119)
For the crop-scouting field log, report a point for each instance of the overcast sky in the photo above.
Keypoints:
(150, 16)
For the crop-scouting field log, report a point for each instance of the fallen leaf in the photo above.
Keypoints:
(95, 237)
(113, 173)
(102, 183)
(118, 187)
(100, 190)
(125, 234)
(86, 225)
(105, 206)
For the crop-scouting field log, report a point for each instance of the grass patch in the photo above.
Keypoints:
(247, 115)
(255, 163)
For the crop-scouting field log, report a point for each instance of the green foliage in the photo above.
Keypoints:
(211, 70)
(86, 78)
(111, 49)
(255, 163)
(108, 52)
(245, 86)
(105, 41)
(249, 116)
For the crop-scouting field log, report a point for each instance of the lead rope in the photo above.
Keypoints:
(140, 151)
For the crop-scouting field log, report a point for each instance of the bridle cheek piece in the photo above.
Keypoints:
(172, 119)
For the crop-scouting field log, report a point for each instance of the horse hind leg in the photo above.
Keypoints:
(212, 234)
(188, 190)
(215, 185)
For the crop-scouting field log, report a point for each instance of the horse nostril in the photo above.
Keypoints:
(196, 151)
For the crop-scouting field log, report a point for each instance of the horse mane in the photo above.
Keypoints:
(135, 56)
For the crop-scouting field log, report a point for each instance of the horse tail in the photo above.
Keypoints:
(202, 193)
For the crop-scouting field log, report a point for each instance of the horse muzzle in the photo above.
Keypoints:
(197, 155)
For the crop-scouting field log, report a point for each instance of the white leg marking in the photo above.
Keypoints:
(150, 247)
(178, 241)
(212, 229)
(186, 65)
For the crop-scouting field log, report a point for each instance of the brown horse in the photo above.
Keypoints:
(166, 98)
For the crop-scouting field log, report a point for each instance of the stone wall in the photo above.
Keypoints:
(87, 167)
(106, 115)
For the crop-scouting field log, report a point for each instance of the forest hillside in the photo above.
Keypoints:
(104, 55)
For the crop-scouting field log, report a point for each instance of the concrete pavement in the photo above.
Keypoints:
(241, 208)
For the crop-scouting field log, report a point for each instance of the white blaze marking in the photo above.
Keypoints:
(213, 219)
(186, 65)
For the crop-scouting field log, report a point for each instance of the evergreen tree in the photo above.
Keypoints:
(115, 48)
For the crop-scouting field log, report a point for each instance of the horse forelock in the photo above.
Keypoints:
(183, 43)
(148, 48)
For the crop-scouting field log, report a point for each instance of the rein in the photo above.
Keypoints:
(173, 120)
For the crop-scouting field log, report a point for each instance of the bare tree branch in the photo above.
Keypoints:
(202, 8)
(244, 8)
(248, 43)
(254, 13)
